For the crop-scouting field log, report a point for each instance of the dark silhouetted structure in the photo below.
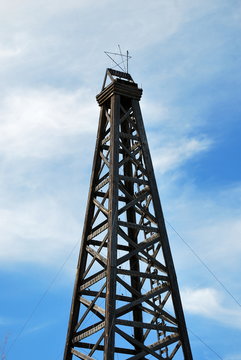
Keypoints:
(126, 303)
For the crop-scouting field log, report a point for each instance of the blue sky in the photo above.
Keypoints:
(186, 56)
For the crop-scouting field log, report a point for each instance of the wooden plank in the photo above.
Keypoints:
(168, 340)
(102, 184)
(155, 346)
(134, 160)
(125, 116)
(93, 260)
(90, 308)
(103, 177)
(101, 207)
(160, 312)
(90, 330)
(175, 350)
(93, 279)
(89, 303)
(142, 274)
(93, 308)
(147, 325)
(134, 179)
(105, 140)
(137, 145)
(130, 121)
(103, 295)
(116, 87)
(154, 262)
(157, 316)
(148, 295)
(97, 343)
(108, 118)
(138, 248)
(145, 213)
(119, 246)
(104, 159)
(138, 344)
(107, 147)
(120, 74)
(102, 194)
(101, 348)
(138, 227)
(98, 210)
(96, 255)
(81, 355)
(149, 264)
(98, 226)
(132, 203)
(99, 229)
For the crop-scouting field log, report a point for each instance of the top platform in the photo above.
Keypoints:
(120, 83)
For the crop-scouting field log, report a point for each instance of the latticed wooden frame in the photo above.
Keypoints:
(126, 303)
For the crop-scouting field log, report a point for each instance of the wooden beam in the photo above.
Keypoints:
(133, 341)
(93, 279)
(159, 326)
(90, 330)
(81, 355)
(142, 274)
(101, 347)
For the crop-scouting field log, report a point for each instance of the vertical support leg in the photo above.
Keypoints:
(112, 240)
(74, 311)
(164, 238)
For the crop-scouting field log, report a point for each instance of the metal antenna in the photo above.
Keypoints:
(127, 59)
(124, 59)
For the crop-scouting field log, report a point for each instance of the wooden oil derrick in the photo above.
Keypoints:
(126, 302)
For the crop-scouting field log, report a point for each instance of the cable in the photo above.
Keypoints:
(68, 257)
(203, 342)
(206, 266)
(41, 299)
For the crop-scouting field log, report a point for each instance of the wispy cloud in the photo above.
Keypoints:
(37, 232)
(36, 328)
(209, 303)
(41, 123)
(173, 155)
(186, 55)
(8, 52)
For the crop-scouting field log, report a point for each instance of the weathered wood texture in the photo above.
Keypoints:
(126, 299)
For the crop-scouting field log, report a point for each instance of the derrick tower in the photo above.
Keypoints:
(126, 302)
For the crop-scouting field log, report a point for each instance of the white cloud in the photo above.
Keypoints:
(52, 33)
(209, 220)
(6, 52)
(37, 232)
(37, 328)
(208, 302)
(42, 123)
(45, 124)
(171, 156)
(221, 240)
(211, 223)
